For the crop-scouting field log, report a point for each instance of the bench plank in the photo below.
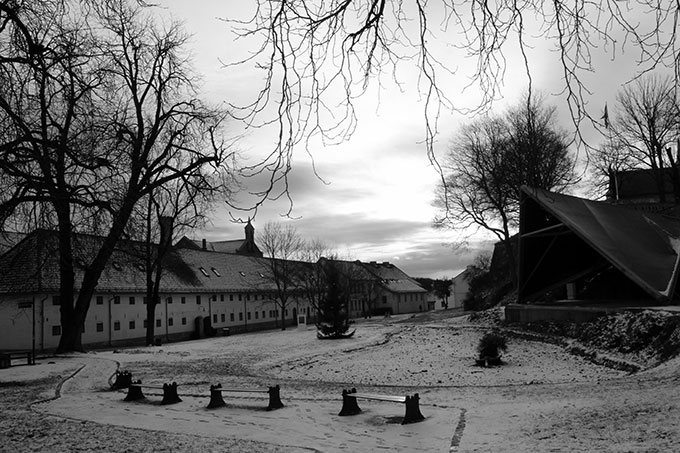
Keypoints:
(370, 396)
(245, 390)
(216, 399)
(169, 392)
(350, 406)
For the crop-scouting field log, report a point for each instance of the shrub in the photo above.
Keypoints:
(491, 345)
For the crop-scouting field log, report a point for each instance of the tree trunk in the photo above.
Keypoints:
(283, 316)
(150, 318)
(512, 262)
(148, 265)
(70, 333)
(73, 341)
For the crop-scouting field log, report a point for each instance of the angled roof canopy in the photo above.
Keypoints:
(563, 238)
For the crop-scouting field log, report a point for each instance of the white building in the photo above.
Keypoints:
(199, 288)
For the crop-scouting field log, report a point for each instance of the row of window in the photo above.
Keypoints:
(56, 330)
(99, 300)
(132, 299)
(99, 327)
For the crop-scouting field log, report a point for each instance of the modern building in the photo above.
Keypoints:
(578, 252)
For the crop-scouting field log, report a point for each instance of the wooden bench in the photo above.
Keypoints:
(6, 357)
(350, 406)
(169, 392)
(216, 399)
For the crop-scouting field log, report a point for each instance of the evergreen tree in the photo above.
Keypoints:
(333, 316)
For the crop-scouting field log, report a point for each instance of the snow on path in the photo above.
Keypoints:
(521, 405)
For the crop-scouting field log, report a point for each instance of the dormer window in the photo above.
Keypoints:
(204, 272)
(215, 271)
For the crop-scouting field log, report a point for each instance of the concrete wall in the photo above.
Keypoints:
(519, 313)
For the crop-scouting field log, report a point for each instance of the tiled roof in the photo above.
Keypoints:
(32, 266)
(218, 246)
(9, 239)
(393, 278)
(388, 275)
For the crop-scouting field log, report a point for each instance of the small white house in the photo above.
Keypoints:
(460, 288)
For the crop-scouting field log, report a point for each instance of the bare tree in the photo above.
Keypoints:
(50, 70)
(611, 157)
(282, 244)
(312, 279)
(647, 121)
(102, 112)
(488, 163)
(318, 57)
(170, 212)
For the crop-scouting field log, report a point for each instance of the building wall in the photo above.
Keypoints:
(459, 291)
(119, 319)
(399, 303)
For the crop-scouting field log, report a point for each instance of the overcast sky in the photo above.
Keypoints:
(375, 200)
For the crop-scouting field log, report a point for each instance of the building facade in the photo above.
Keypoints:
(202, 292)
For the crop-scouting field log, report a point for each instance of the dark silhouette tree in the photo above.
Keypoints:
(643, 129)
(317, 58)
(333, 317)
(282, 244)
(491, 159)
(311, 278)
(98, 110)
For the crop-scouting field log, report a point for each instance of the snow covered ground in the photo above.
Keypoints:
(542, 399)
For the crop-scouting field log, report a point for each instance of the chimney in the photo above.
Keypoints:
(205, 245)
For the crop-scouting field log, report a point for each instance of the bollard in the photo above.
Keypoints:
(134, 392)
(349, 403)
(216, 399)
(413, 413)
(274, 398)
(170, 395)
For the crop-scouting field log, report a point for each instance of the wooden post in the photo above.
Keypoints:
(274, 398)
(349, 403)
(170, 394)
(134, 392)
(216, 399)
(412, 410)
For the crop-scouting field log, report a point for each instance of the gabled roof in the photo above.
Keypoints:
(211, 246)
(32, 266)
(239, 246)
(9, 239)
(393, 278)
(564, 237)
